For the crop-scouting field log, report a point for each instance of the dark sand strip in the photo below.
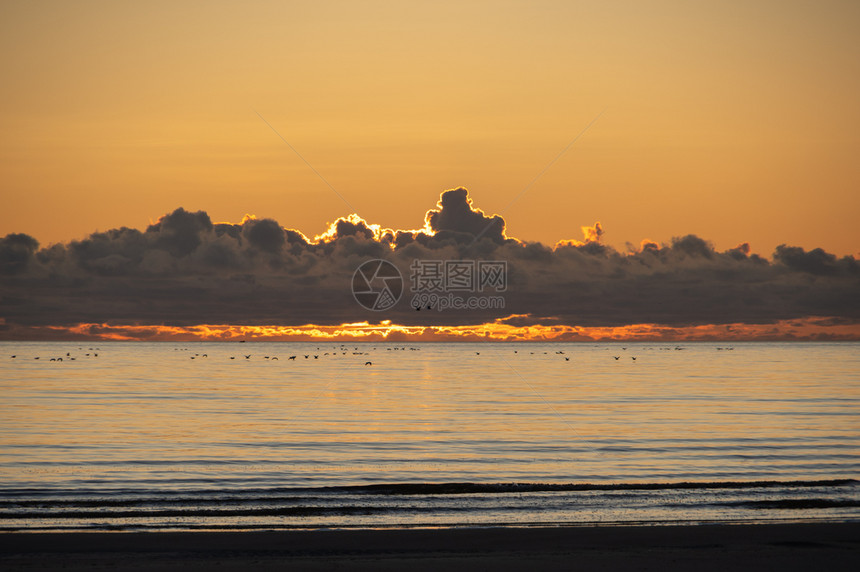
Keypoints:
(783, 547)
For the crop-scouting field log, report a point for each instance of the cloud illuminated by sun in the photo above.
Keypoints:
(813, 328)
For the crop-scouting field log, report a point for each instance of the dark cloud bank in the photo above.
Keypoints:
(186, 270)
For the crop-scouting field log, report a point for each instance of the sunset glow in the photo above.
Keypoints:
(809, 329)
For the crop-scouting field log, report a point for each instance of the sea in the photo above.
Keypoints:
(121, 436)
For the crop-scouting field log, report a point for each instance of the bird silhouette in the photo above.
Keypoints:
(368, 363)
(617, 358)
(292, 357)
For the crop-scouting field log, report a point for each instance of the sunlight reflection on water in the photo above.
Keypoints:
(441, 412)
(145, 416)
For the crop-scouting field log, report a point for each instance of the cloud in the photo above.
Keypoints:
(649, 246)
(456, 215)
(817, 261)
(591, 236)
(266, 235)
(693, 246)
(353, 225)
(513, 328)
(185, 270)
(16, 252)
(181, 232)
(593, 233)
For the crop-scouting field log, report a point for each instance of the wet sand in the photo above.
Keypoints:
(783, 547)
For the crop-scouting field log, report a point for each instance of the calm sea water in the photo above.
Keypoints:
(197, 435)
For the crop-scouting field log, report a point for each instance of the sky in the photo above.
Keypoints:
(666, 169)
(735, 121)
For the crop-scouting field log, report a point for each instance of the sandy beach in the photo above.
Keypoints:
(825, 546)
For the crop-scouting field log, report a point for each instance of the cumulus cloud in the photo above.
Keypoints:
(455, 214)
(591, 238)
(181, 232)
(185, 270)
(816, 261)
(352, 225)
(649, 246)
(16, 251)
(593, 233)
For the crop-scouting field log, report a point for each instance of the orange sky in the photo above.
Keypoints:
(736, 121)
(809, 329)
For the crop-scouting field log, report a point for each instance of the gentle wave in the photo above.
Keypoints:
(499, 488)
(393, 489)
(795, 504)
(433, 504)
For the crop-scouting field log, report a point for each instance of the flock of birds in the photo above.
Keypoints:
(336, 350)
(92, 353)
(344, 350)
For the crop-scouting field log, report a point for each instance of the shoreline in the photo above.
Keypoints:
(784, 546)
